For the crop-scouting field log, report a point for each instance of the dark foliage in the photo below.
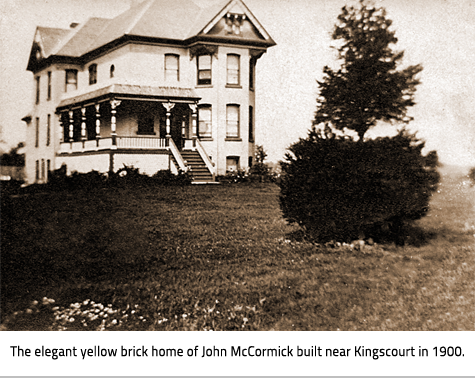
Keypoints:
(368, 87)
(339, 189)
(13, 158)
(471, 176)
(128, 176)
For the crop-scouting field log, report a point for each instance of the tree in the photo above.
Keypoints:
(368, 87)
(13, 158)
(259, 170)
(337, 188)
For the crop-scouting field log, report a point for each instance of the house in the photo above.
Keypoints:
(165, 85)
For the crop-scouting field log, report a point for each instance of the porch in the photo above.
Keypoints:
(131, 121)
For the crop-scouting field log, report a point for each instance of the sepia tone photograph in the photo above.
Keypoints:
(237, 165)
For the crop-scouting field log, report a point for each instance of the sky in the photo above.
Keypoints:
(439, 34)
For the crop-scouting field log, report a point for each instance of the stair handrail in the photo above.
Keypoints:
(205, 157)
(177, 155)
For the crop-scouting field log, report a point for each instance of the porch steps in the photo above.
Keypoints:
(199, 170)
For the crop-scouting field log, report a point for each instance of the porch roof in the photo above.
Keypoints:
(139, 92)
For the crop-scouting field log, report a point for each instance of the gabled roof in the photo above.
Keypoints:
(82, 37)
(49, 38)
(178, 21)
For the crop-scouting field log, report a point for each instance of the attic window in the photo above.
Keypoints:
(112, 70)
(92, 74)
(234, 23)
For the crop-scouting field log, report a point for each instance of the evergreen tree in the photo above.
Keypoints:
(368, 87)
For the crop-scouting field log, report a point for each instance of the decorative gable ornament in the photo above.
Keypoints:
(202, 49)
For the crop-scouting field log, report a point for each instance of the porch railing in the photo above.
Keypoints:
(107, 143)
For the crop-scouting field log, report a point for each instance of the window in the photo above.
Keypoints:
(49, 85)
(249, 163)
(172, 67)
(252, 73)
(232, 164)
(43, 176)
(145, 124)
(251, 123)
(48, 130)
(112, 70)
(233, 70)
(48, 167)
(37, 170)
(204, 69)
(37, 132)
(232, 121)
(37, 79)
(204, 122)
(92, 74)
(71, 80)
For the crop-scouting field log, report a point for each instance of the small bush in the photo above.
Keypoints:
(471, 176)
(235, 176)
(166, 177)
(339, 189)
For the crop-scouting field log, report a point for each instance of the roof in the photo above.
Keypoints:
(84, 36)
(49, 38)
(176, 21)
(156, 93)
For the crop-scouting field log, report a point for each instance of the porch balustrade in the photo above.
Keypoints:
(121, 143)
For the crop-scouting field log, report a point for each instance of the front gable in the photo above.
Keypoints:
(44, 42)
(237, 21)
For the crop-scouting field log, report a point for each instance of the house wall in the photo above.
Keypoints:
(219, 95)
(147, 163)
(85, 163)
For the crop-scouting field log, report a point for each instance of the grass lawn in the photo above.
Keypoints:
(220, 257)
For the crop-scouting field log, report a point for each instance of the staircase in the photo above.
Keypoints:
(199, 170)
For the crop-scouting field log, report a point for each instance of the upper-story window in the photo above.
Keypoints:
(204, 123)
(92, 74)
(233, 70)
(37, 132)
(251, 123)
(204, 69)
(48, 130)
(252, 73)
(71, 79)
(49, 86)
(112, 70)
(232, 121)
(37, 80)
(172, 67)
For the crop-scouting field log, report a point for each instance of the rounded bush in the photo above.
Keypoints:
(339, 189)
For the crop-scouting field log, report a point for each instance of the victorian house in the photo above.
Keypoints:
(165, 85)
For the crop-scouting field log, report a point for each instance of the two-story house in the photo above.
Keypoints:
(165, 85)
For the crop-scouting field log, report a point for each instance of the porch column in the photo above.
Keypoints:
(194, 108)
(168, 106)
(83, 124)
(71, 125)
(98, 121)
(114, 105)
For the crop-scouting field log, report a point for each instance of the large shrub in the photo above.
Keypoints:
(339, 189)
